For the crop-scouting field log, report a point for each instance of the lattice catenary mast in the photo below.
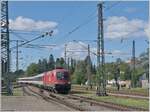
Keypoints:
(5, 52)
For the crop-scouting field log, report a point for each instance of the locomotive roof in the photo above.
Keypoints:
(60, 69)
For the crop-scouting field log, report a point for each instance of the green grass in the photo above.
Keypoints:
(141, 91)
(17, 92)
(140, 103)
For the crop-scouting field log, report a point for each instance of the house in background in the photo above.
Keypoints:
(144, 81)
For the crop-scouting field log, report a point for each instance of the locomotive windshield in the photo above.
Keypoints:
(62, 76)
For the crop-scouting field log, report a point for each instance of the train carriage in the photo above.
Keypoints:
(57, 80)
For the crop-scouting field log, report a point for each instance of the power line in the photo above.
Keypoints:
(20, 37)
(87, 40)
(79, 26)
(92, 16)
(31, 45)
(41, 36)
(107, 53)
(85, 47)
(17, 53)
(25, 31)
(113, 5)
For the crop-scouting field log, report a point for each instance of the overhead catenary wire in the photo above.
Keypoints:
(77, 27)
(108, 53)
(41, 36)
(32, 45)
(81, 25)
(92, 16)
(113, 5)
(20, 37)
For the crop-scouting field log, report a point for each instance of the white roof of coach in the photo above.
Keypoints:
(39, 75)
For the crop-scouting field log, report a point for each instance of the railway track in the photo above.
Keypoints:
(127, 91)
(83, 103)
(115, 93)
(108, 104)
(128, 96)
(45, 95)
(76, 104)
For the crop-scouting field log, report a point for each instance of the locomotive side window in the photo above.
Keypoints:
(62, 76)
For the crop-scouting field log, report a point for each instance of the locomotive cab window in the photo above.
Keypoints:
(62, 76)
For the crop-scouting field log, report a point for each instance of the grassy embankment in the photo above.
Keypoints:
(140, 91)
(16, 92)
(139, 103)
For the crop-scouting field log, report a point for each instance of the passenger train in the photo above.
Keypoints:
(57, 80)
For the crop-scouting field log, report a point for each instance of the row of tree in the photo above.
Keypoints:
(81, 69)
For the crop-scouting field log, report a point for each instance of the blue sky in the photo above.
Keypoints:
(123, 18)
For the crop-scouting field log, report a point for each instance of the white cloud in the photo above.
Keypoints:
(28, 24)
(76, 46)
(147, 31)
(122, 27)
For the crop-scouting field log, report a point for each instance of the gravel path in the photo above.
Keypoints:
(30, 103)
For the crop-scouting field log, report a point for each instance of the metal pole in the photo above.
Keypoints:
(65, 53)
(17, 63)
(68, 63)
(101, 90)
(133, 62)
(5, 51)
(89, 68)
(98, 38)
(133, 53)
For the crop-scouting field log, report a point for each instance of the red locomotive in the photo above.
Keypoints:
(57, 80)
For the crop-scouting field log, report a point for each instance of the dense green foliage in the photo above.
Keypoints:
(81, 69)
(45, 65)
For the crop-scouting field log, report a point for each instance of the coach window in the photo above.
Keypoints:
(38, 78)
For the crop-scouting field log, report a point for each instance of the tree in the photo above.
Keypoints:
(109, 71)
(79, 74)
(19, 72)
(40, 66)
(57, 64)
(72, 66)
(144, 58)
(118, 61)
(88, 64)
(45, 65)
(51, 63)
(32, 69)
(62, 62)
(116, 77)
(125, 71)
(94, 69)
